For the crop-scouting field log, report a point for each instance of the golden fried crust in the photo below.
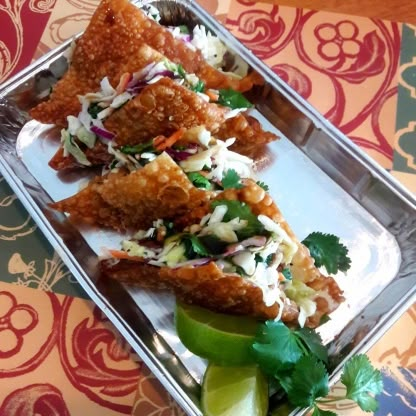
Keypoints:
(205, 286)
(133, 273)
(209, 287)
(260, 203)
(121, 200)
(250, 136)
(110, 46)
(328, 298)
(162, 108)
(159, 190)
(88, 207)
(116, 41)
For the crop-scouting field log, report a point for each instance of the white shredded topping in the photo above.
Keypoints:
(222, 159)
(211, 47)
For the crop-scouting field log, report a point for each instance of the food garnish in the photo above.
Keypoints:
(328, 251)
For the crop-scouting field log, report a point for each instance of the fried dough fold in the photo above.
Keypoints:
(205, 286)
(124, 200)
(116, 41)
(163, 108)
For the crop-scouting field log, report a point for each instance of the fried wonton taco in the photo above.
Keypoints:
(156, 100)
(123, 199)
(236, 254)
(115, 43)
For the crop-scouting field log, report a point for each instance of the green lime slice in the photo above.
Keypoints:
(222, 339)
(234, 391)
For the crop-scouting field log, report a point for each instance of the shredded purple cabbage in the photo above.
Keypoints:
(136, 85)
(177, 155)
(105, 134)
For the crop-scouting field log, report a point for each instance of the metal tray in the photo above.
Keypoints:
(318, 177)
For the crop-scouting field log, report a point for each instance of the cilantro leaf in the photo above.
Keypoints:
(287, 273)
(184, 29)
(275, 347)
(313, 342)
(320, 412)
(269, 259)
(238, 209)
(213, 244)
(263, 185)
(94, 109)
(363, 382)
(170, 228)
(233, 99)
(181, 71)
(200, 181)
(199, 86)
(193, 246)
(309, 381)
(327, 251)
(137, 148)
(231, 179)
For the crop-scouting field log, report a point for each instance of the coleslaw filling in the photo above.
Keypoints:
(257, 256)
(97, 107)
(198, 152)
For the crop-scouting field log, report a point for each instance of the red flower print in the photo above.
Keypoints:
(15, 321)
(338, 41)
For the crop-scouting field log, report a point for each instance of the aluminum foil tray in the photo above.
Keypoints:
(319, 178)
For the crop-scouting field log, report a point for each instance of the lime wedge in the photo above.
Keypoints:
(222, 339)
(234, 391)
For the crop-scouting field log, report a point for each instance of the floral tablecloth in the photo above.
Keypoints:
(59, 355)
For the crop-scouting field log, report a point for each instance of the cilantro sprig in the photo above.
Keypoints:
(200, 181)
(194, 247)
(297, 360)
(198, 87)
(263, 185)
(231, 179)
(328, 251)
(94, 109)
(238, 209)
(137, 148)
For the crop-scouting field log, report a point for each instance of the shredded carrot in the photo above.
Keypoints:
(213, 95)
(162, 142)
(124, 80)
(122, 255)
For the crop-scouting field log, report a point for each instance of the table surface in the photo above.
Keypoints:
(57, 351)
(394, 10)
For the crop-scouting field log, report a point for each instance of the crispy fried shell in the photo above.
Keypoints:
(110, 46)
(250, 136)
(206, 286)
(88, 207)
(115, 42)
(121, 200)
(162, 108)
